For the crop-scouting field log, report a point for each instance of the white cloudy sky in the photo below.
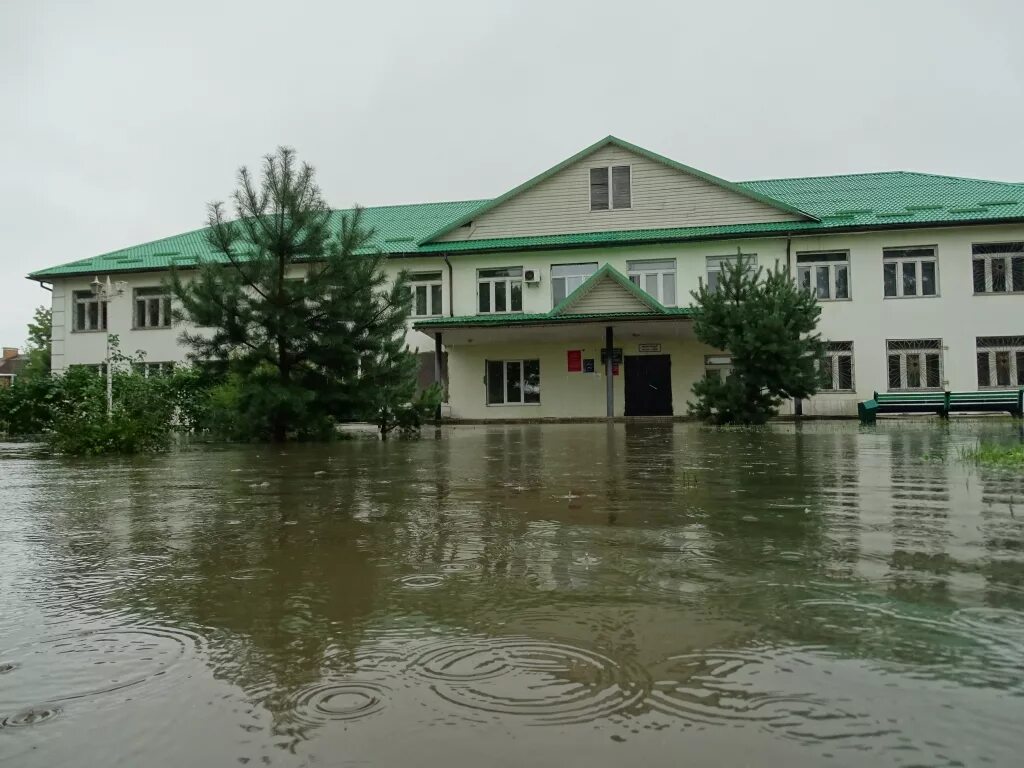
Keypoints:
(122, 118)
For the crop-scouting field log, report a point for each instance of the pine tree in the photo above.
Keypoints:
(297, 304)
(766, 323)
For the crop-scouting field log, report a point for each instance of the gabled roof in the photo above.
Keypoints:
(559, 313)
(617, 142)
(856, 202)
(607, 272)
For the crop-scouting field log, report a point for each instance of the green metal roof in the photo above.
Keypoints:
(543, 318)
(853, 202)
(397, 229)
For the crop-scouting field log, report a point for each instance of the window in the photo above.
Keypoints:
(513, 382)
(910, 272)
(915, 364)
(715, 267)
(566, 278)
(153, 369)
(717, 366)
(658, 278)
(826, 274)
(1000, 361)
(90, 312)
(998, 267)
(152, 308)
(837, 375)
(426, 294)
(616, 177)
(100, 369)
(500, 290)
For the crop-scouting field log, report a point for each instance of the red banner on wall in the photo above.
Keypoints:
(575, 360)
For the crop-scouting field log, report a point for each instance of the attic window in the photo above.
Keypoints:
(618, 179)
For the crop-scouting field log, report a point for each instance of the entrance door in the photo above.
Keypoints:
(648, 385)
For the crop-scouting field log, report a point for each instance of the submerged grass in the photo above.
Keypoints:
(994, 455)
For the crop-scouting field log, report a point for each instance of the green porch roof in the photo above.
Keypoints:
(854, 202)
(543, 318)
(559, 314)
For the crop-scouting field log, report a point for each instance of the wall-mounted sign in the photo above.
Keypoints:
(649, 347)
(616, 355)
(615, 368)
(574, 360)
(588, 365)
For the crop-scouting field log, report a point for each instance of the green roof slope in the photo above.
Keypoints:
(858, 201)
(396, 230)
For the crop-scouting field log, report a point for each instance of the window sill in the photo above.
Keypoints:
(1000, 387)
(500, 314)
(924, 296)
(152, 328)
(832, 301)
(611, 210)
(89, 330)
(999, 293)
(912, 390)
(512, 405)
(837, 392)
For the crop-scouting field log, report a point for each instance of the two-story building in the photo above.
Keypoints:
(568, 295)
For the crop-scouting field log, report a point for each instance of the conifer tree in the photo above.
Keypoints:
(296, 302)
(766, 323)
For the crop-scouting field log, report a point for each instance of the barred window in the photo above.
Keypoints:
(914, 363)
(837, 373)
(1000, 361)
(998, 267)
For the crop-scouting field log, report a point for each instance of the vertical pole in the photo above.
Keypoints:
(110, 379)
(609, 385)
(439, 371)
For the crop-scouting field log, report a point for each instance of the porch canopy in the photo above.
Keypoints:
(606, 305)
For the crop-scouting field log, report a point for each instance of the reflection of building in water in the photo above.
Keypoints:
(837, 452)
(1001, 527)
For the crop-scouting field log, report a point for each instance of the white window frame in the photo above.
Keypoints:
(147, 369)
(906, 353)
(719, 366)
(1014, 347)
(611, 190)
(427, 281)
(504, 382)
(833, 352)
(663, 275)
(1006, 257)
(150, 294)
(87, 298)
(488, 283)
(713, 265)
(582, 275)
(810, 269)
(917, 261)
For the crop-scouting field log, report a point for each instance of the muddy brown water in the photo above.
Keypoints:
(556, 595)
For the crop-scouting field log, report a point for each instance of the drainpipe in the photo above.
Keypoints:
(609, 386)
(451, 287)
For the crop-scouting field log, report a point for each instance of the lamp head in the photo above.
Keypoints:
(96, 286)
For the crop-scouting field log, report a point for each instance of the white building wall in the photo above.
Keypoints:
(956, 316)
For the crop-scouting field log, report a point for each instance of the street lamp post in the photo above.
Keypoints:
(106, 292)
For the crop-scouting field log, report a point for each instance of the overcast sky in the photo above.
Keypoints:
(121, 119)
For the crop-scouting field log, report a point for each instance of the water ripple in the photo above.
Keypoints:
(541, 681)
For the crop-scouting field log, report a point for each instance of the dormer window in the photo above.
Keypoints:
(610, 188)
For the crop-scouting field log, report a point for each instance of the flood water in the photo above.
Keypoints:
(556, 595)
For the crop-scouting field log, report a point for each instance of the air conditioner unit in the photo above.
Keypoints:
(531, 276)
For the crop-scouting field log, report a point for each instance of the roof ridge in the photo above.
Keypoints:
(825, 176)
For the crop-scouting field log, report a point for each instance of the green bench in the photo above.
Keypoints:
(942, 403)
